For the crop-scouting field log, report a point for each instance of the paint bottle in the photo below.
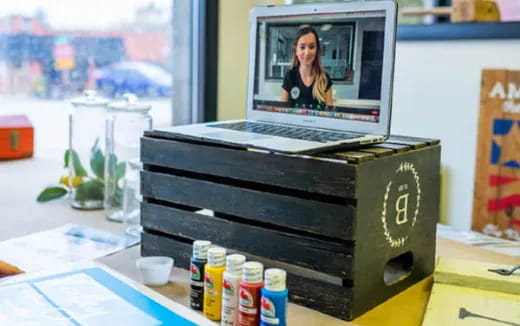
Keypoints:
(230, 287)
(249, 294)
(273, 305)
(213, 283)
(198, 262)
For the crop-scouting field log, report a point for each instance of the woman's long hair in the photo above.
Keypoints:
(320, 81)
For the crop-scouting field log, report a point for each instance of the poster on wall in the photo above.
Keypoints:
(496, 201)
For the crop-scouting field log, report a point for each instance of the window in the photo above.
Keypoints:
(53, 50)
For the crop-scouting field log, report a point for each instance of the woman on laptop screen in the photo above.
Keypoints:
(307, 84)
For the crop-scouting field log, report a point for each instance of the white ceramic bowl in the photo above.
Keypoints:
(155, 270)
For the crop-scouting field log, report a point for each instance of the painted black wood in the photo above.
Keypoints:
(459, 31)
(328, 219)
(279, 170)
(320, 255)
(280, 207)
(429, 141)
(328, 298)
(373, 250)
(355, 156)
(399, 148)
(414, 143)
(379, 152)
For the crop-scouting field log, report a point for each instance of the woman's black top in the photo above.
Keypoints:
(299, 94)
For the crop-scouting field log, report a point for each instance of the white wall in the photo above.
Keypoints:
(436, 94)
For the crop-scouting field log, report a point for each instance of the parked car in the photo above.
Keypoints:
(138, 77)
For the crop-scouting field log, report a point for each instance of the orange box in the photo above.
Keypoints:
(16, 137)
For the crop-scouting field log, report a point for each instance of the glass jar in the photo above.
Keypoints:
(84, 157)
(126, 122)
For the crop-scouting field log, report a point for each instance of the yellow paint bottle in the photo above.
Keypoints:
(213, 283)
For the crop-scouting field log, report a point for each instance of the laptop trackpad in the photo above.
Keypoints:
(234, 136)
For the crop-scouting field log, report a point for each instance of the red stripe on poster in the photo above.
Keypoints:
(498, 180)
(500, 204)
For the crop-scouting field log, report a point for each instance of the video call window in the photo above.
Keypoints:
(337, 41)
(352, 46)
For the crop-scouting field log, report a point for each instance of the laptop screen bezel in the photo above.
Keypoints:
(382, 127)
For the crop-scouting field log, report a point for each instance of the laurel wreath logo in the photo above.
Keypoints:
(400, 241)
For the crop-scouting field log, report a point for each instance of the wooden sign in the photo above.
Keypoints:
(496, 201)
(467, 293)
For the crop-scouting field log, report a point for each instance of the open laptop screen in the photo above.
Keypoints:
(351, 53)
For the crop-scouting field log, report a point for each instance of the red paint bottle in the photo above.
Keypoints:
(249, 294)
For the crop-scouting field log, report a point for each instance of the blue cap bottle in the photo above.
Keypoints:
(273, 305)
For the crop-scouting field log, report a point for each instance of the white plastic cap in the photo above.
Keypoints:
(216, 256)
(89, 98)
(234, 263)
(275, 279)
(252, 272)
(200, 249)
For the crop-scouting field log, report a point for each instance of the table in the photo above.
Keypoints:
(22, 180)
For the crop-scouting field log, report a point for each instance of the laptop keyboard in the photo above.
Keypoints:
(315, 135)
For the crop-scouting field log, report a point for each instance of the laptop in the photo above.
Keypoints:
(357, 45)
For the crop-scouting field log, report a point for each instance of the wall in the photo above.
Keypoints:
(233, 55)
(437, 94)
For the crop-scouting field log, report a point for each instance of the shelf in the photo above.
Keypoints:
(460, 31)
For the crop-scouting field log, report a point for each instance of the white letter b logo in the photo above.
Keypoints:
(400, 217)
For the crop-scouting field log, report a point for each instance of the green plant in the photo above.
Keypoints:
(85, 187)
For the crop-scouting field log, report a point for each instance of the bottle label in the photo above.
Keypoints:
(267, 307)
(196, 297)
(228, 287)
(195, 272)
(251, 311)
(229, 316)
(246, 299)
(269, 320)
(208, 281)
(195, 283)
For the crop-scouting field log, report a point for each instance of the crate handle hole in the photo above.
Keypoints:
(398, 268)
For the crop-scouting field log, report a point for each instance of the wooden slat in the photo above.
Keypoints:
(396, 147)
(429, 141)
(323, 256)
(476, 275)
(327, 298)
(378, 152)
(414, 143)
(355, 157)
(331, 220)
(293, 172)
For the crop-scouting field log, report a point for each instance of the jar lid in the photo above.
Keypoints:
(252, 272)
(234, 263)
(216, 256)
(275, 279)
(200, 249)
(89, 98)
(129, 103)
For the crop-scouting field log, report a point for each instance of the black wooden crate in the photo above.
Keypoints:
(352, 229)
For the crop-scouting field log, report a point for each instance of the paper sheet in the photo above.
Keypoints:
(66, 244)
(88, 296)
